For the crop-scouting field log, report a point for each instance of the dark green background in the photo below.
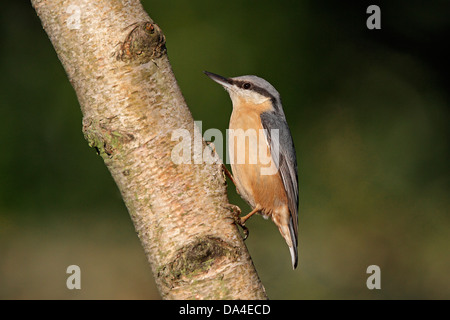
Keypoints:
(368, 110)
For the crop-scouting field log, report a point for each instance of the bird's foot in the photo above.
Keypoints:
(240, 222)
(236, 219)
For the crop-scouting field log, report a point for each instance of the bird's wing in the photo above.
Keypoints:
(286, 162)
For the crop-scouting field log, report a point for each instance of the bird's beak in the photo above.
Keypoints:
(225, 82)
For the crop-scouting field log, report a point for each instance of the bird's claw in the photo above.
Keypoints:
(244, 229)
(237, 220)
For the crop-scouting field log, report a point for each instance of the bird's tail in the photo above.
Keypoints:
(289, 235)
(293, 247)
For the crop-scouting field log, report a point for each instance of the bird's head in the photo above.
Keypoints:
(247, 89)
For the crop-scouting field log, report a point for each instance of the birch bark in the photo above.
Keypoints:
(116, 60)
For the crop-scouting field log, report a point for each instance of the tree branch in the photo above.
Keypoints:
(116, 60)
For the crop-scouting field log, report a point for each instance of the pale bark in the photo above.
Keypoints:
(115, 58)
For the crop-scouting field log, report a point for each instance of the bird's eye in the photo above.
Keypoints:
(247, 85)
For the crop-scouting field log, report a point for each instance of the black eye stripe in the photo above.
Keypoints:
(261, 91)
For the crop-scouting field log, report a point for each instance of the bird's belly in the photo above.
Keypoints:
(264, 191)
(258, 181)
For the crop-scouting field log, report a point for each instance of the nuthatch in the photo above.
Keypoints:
(257, 108)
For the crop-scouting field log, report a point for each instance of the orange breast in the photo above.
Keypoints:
(251, 162)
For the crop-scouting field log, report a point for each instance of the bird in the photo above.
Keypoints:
(273, 194)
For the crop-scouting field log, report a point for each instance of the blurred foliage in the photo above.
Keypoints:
(368, 110)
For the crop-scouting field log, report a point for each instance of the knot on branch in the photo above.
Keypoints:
(196, 259)
(106, 141)
(143, 43)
